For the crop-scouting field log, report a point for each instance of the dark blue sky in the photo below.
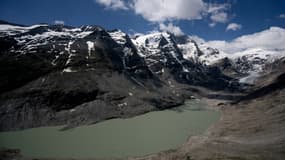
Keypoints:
(253, 15)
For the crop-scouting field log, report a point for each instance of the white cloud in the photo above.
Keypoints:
(169, 10)
(213, 24)
(59, 22)
(234, 27)
(171, 28)
(162, 10)
(218, 13)
(220, 17)
(216, 8)
(113, 4)
(272, 38)
(197, 39)
(282, 16)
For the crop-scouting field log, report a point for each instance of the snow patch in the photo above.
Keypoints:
(119, 37)
(128, 51)
(250, 78)
(68, 70)
(122, 104)
(90, 47)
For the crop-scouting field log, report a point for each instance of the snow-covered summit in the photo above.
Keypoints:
(119, 36)
(153, 43)
(194, 49)
(255, 59)
(155, 48)
(200, 52)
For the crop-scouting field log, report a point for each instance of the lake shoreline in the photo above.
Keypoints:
(191, 120)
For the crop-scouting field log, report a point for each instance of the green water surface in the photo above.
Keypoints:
(137, 136)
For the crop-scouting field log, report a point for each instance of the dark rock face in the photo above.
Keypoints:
(276, 85)
(56, 75)
(229, 68)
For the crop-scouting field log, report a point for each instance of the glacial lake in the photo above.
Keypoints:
(137, 136)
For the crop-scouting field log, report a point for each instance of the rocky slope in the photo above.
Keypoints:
(252, 129)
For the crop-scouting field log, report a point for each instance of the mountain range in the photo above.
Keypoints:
(63, 75)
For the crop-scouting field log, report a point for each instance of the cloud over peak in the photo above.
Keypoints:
(271, 39)
(59, 22)
(171, 28)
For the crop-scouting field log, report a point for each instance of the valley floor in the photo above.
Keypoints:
(249, 130)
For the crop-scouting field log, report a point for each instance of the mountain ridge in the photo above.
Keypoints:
(82, 75)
